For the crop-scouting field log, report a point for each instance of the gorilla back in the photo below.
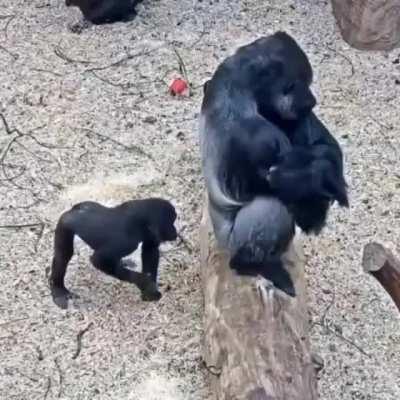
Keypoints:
(105, 11)
(238, 146)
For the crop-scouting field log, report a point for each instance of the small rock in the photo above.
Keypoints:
(180, 135)
(339, 329)
(150, 119)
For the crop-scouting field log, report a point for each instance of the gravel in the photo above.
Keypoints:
(93, 120)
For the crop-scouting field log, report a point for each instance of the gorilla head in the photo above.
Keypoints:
(161, 220)
(280, 76)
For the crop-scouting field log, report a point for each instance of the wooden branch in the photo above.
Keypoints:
(369, 24)
(384, 267)
(256, 337)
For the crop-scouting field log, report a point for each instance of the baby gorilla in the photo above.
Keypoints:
(114, 233)
(105, 11)
(300, 165)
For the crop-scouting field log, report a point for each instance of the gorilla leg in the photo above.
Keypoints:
(150, 259)
(105, 262)
(257, 237)
(63, 252)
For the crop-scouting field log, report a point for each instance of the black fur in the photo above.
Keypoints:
(267, 159)
(310, 176)
(114, 233)
(105, 11)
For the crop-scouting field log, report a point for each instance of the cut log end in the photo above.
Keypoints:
(384, 267)
(374, 257)
(256, 337)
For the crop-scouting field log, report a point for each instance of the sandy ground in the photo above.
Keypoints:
(94, 121)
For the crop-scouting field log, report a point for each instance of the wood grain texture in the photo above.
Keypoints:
(256, 344)
(384, 267)
(369, 24)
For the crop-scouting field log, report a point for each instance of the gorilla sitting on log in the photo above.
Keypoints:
(269, 163)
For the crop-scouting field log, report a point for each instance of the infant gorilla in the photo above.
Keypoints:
(114, 233)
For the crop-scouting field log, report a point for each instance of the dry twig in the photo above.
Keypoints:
(22, 226)
(61, 377)
(132, 148)
(344, 57)
(3, 324)
(47, 388)
(59, 53)
(79, 341)
(13, 55)
(122, 60)
(343, 338)
(10, 19)
(182, 67)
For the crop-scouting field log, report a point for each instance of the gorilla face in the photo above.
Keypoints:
(282, 93)
(162, 221)
(292, 100)
(168, 231)
(280, 76)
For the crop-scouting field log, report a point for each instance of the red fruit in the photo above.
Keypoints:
(178, 86)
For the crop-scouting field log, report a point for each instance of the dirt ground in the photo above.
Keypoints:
(89, 117)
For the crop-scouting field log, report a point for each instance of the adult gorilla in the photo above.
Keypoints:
(268, 161)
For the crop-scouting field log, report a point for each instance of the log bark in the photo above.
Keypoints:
(369, 24)
(256, 344)
(384, 267)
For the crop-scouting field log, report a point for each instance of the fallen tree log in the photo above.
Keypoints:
(256, 344)
(369, 24)
(384, 267)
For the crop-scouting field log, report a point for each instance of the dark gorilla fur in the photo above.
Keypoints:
(105, 11)
(268, 161)
(114, 233)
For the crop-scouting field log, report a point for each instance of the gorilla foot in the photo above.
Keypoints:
(281, 280)
(150, 292)
(151, 296)
(61, 296)
(244, 262)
